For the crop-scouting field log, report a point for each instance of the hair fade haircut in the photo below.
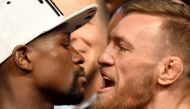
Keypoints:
(175, 29)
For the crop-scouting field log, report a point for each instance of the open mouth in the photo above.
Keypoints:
(107, 82)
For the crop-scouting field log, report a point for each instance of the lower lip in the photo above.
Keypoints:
(103, 90)
(82, 80)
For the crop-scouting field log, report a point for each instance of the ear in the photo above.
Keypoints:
(171, 70)
(21, 57)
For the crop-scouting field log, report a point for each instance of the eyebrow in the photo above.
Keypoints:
(122, 39)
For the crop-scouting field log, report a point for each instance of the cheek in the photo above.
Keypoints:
(54, 73)
(64, 71)
(132, 71)
(136, 83)
(95, 37)
(100, 40)
(90, 61)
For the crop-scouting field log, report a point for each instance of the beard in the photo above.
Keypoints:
(69, 97)
(74, 96)
(137, 93)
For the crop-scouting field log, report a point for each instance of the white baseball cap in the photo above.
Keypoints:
(21, 21)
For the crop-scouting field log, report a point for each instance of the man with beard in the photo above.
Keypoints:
(146, 62)
(89, 41)
(38, 66)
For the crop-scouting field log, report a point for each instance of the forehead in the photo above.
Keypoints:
(137, 27)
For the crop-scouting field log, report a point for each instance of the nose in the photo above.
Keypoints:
(77, 58)
(106, 58)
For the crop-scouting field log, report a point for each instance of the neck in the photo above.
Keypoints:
(18, 93)
(171, 100)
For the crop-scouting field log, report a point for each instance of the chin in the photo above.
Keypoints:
(68, 99)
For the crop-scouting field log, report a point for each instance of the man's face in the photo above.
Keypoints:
(89, 40)
(129, 63)
(57, 73)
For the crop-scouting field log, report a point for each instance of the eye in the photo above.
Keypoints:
(66, 45)
(82, 51)
(122, 48)
(120, 45)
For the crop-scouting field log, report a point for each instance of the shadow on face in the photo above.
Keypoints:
(56, 70)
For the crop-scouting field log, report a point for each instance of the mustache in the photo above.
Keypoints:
(80, 71)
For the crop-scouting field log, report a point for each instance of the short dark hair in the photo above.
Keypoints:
(157, 7)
